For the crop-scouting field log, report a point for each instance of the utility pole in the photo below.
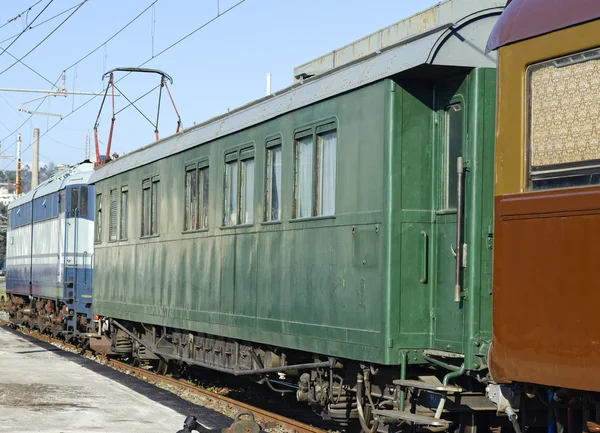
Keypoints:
(18, 177)
(35, 169)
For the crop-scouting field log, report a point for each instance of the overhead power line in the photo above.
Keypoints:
(46, 38)
(25, 29)
(20, 14)
(219, 14)
(77, 62)
(40, 23)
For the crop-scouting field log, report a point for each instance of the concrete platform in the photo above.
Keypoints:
(44, 389)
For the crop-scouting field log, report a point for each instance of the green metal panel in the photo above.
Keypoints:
(314, 285)
(364, 284)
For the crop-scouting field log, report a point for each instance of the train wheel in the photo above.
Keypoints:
(162, 367)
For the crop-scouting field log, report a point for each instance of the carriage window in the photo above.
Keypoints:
(98, 224)
(563, 112)
(203, 201)
(196, 199)
(325, 202)
(454, 142)
(273, 184)
(231, 193)
(191, 200)
(83, 212)
(155, 207)
(247, 192)
(112, 227)
(315, 173)
(74, 201)
(303, 176)
(124, 213)
(146, 208)
(239, 188)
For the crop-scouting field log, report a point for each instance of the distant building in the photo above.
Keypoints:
(5, 199)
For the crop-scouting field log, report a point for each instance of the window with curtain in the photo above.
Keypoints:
(124, 213)
(563, 133)
(231, 193)
(273, 184)
(325, 203)
(196, 198)
(146, 209)
(191, 199)
(203, 200)
(239, 188)
(155, 207)
(303, 177)
(247, 192)
(315, 173)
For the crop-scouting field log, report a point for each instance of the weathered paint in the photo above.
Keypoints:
(545, 289)
(525, 19)
(512, 63)
(348, 286)
(443, 15)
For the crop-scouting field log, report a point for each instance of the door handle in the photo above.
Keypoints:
(424, 257)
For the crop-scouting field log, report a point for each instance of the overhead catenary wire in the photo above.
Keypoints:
(77, 62)
(147, 61)
(24, 30)
(46, 38)
(30, 27)
(16, 17)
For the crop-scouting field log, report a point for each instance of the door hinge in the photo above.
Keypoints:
(489, 243)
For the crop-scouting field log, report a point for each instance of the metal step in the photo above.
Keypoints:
(419, 384)
(413, 417)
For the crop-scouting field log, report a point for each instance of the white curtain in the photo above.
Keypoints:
(204, 185)
(328, 145)
(304, 167)
(275, 183)
(248, 191)
(232, 193)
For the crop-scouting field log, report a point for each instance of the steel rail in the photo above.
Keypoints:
(263, 417)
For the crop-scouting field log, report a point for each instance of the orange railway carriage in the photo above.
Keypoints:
(547, 195)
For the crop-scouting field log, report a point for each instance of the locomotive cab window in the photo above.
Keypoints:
(239, 188)
(315, 172)
(453, 149)
(83, 199)
(74, 202)
(563, 112)
(196, 197)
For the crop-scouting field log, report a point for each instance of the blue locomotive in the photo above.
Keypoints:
(50, 248)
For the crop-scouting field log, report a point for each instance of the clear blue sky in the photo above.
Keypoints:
(222, 66)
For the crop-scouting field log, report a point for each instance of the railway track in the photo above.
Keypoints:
(267, 420)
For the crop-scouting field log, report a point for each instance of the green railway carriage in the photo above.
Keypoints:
(326, 226)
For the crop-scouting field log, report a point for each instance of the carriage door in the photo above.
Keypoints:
(450, 150)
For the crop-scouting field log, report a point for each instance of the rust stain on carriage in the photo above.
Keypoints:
(525, 19)
(546, 288)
